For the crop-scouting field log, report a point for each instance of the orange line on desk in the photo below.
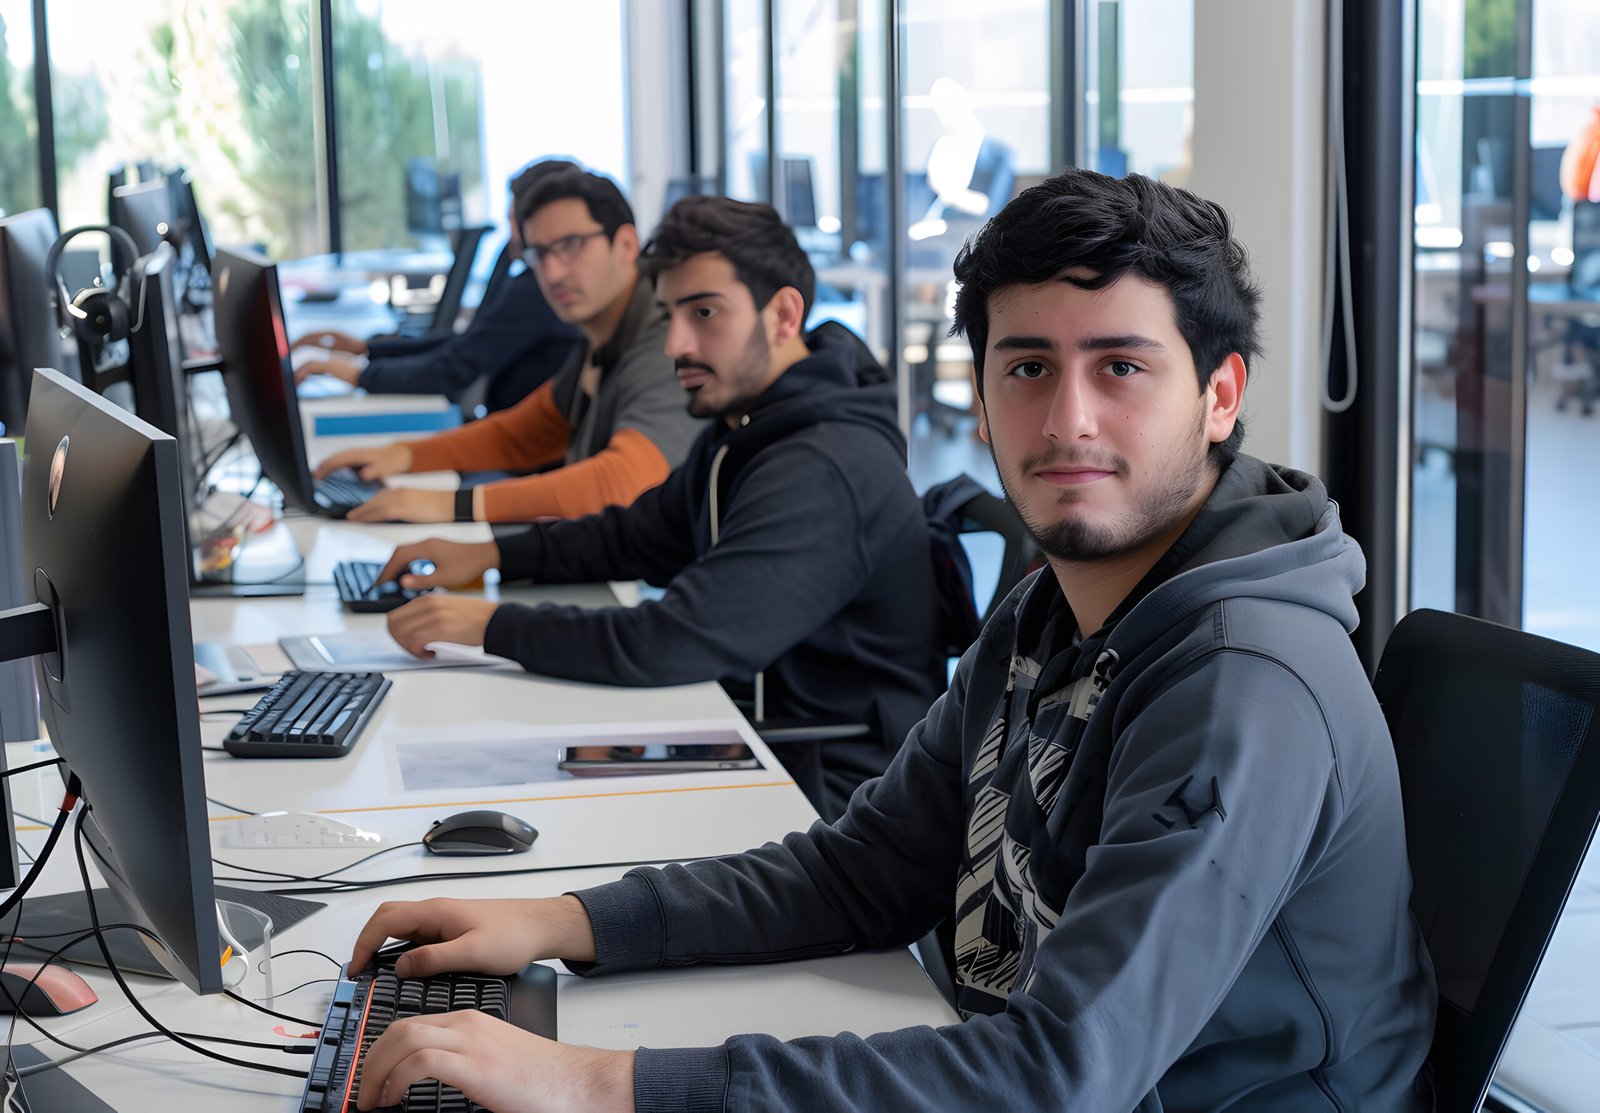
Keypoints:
(515, 800)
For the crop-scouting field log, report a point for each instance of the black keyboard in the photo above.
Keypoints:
(359, 589)
(365, 1005)
(341, 492)
(308, 714)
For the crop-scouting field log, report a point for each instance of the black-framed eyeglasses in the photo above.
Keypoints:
(564, 248)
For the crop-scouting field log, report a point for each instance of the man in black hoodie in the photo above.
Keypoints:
(793, 550)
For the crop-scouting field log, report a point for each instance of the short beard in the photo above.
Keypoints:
(1155, 513)
(751, 365)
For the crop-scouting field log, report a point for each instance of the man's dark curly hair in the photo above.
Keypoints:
(1112, 227)
(764, 253)
(600, 195)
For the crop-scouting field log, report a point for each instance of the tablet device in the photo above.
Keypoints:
(601, 761)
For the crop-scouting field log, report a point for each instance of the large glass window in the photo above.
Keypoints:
(222, 87)
(975, 121)
(1139, 88)
(434, 115)
(19, 130)
(744, 92)
(1506, 379)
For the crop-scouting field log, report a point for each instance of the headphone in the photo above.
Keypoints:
(98, 315)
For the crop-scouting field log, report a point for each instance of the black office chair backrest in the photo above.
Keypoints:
(1586, 248)
(1497, 735)
(455, 281)
(961, 506)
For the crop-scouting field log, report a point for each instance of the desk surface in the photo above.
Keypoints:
(588, 828)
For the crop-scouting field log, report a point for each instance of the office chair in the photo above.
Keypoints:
(955, 507)
(1497, 736)
(440, 322)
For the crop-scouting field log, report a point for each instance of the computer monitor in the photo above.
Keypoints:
(19, 699)
(799, 189)
(155, 363)
(693, 185)
(191, 234)
(1585, 279)
(29, 331)
(256, 370)
(433, 198)
(103, 533)
(145, 212)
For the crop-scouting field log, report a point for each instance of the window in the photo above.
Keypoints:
(19, 129)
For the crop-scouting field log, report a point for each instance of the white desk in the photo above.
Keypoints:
(582, 823)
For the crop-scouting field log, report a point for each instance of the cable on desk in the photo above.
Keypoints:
(29, 768)
(230, 807)
(379, 883)
(279, 874)
(68, 802)
(116, 974)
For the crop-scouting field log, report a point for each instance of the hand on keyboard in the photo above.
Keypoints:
(489, 936)
(407, 504)
(495, 1065)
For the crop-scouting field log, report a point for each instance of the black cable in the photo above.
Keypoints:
(226, 711)
(54, 956)
(249, 1004)
(379, 883)
(111, 964)
(299, 878)
(68, 802)
(230, 807)
(301, 951)
(28, 768)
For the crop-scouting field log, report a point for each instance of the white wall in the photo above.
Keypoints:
(1259, 152)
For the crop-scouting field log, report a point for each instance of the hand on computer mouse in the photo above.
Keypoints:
(490, 936)
(496, 1065)
(455, 563)
(407, 504)
(378, 462)
(440, 618)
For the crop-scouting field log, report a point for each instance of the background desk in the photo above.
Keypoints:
(582, 823)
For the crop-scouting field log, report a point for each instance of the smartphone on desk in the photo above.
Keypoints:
(622, 761)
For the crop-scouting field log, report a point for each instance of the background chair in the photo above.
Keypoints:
(1497, 734)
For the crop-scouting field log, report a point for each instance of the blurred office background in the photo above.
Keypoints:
(1395, 167)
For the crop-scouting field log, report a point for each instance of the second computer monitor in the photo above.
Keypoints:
(29, 333)
(103, 534)
(256, 370)
(160, 388)
(145, 212)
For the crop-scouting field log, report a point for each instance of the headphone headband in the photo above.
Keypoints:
(121, 243)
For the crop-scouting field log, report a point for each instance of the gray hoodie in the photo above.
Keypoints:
(1172, 854)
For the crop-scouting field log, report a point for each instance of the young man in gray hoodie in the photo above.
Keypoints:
(1158, 807)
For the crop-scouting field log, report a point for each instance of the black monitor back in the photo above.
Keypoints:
(256, 370)
(145, 212)
(160, 388)
(29, 334)
(103, 530)
(19, 699)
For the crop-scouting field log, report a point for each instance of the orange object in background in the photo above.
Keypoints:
(1580, 166)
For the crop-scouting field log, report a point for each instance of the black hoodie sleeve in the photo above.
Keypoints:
(648, 540)
(518, 325)
(790, 556)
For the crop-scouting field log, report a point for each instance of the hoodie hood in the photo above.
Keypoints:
(839, 381)
(1266, 531)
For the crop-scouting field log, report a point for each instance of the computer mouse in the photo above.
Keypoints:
(57, 992)
(479, 832)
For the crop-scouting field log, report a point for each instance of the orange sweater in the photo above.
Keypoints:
(534, 434)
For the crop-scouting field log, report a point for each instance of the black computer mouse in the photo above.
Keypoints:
(479, 832)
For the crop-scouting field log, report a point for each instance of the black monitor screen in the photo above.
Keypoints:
(256, 371)
(29, 334)
(103, 532)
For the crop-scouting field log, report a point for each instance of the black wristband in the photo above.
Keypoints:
(464, 505)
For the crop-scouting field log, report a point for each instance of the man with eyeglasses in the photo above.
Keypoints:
(513, 345)
(608, 427)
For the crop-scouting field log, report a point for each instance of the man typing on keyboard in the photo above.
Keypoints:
(1158, 805)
